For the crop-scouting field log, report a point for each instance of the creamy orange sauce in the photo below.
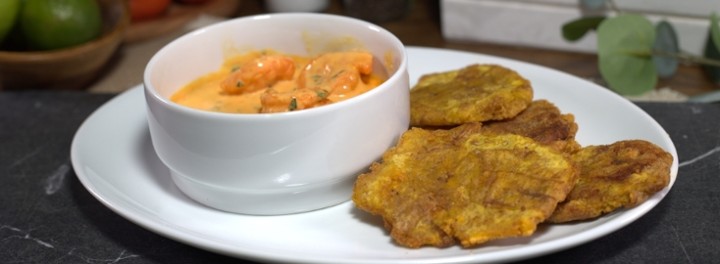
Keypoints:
(267, 81)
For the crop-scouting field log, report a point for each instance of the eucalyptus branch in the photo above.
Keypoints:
(687, 57)
(623, 37)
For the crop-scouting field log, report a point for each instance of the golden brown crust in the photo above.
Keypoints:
(483, 161)
(439, 186)
(476, 93)
(622, 174)
(543, 122)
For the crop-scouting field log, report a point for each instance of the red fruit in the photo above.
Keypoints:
(192, 2)
(147, 9)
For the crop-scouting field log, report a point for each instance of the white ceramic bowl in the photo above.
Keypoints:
(278, 163)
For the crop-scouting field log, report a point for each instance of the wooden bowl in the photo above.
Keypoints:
(69, 68)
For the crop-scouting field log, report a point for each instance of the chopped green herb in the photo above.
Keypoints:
(322, 94)
(239, 84)
(293, 105)
(317, 78)
(337, 74)
(234, 68)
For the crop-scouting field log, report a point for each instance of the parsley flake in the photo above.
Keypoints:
(317, 78)
(293, 105)
(322, 94)
(337, 74)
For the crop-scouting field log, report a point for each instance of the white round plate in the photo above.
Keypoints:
(113, 157)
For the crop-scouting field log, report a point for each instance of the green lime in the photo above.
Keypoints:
(8, 13)
(55, 24)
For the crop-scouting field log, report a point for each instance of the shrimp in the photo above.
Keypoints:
(298, 99)
(259, 74)
(338, 72)
(331, 73)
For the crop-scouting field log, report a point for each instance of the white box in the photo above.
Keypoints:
(692, 8)
(538, 23)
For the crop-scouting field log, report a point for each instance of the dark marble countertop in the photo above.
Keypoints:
(47, 216)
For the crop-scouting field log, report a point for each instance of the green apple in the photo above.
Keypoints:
(9, 10)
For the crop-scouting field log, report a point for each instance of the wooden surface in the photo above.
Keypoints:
(177, 16)
(419, 27)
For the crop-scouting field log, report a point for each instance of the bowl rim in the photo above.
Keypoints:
(116, 32)
(393, 78)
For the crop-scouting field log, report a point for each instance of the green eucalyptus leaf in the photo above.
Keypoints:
(625, 54)
(712, 49)
(666, 42)
(715, 30)
(593, 4)
(711, 52)
(576, 29)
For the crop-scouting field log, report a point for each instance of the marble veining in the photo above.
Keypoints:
(680, 242)
(56, 179)
(21, 234)
(698, 158)
(122, 256)
(17, 233)
(25, 157)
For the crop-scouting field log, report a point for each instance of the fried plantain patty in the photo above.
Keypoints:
(438, 186)
(622, 174)
(543, 122)
(402, 190)
(476, 93)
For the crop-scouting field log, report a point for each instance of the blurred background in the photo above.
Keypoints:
(106, 48)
